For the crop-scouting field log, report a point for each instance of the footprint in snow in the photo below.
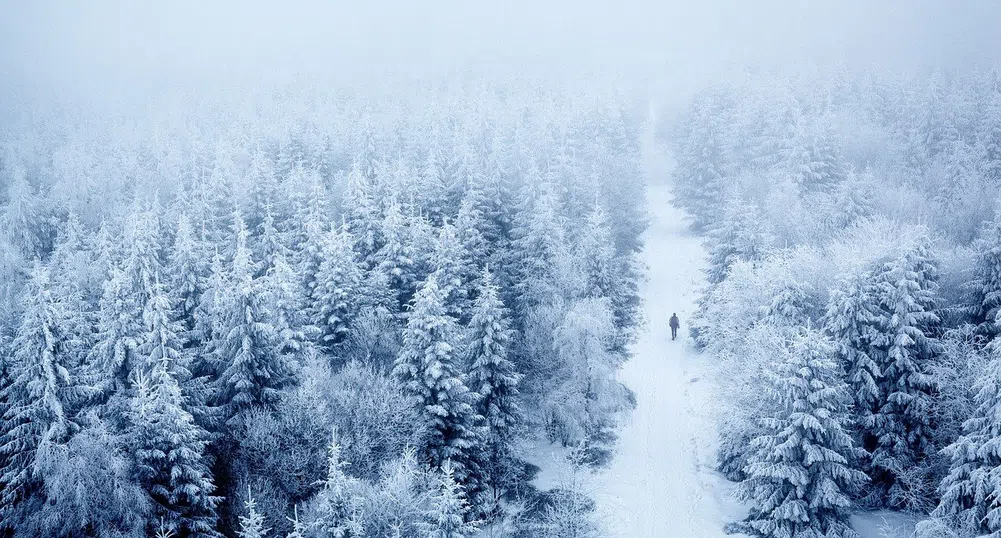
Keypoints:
(694, 379)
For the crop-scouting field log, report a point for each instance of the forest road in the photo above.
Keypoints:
(660, 482)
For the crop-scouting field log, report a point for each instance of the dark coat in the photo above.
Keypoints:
(674, 322)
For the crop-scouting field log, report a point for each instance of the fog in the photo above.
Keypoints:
(672, 46)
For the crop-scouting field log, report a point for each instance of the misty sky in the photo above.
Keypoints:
(673, 44)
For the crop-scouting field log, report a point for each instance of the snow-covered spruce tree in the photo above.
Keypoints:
(985, 287)
(186, 275)
(801, 474)
(851, 320)
(362, 216)
(971, 493)
(428, 368)
(308, 233)
(168, 448)
(447, 515)
(739, 234)
(395, 258)
(252, 524)
(268, 244)
(337, 511)
(69, 266)
(338, 281)
(39, 396)
(541, 239)
(494, 378)
(119, 332)
(283, 293)
(454, 271)
(701, 175)
(253, 368)
(902, 424)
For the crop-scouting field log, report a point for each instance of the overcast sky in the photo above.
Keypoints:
(90, 44)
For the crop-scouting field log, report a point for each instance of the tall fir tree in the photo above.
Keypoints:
(902, 424)
(494, 378)
(971, 491)
(338, 281)
(428, 370)
(447, 515)
(39, 396)
(801, 474)
(253, 368)
(167, 445)
(338, 508)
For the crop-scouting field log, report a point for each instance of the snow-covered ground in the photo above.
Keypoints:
(660, 482)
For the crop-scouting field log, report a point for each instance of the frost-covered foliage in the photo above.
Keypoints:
(800, 475)
(866, 209)
(227, 289)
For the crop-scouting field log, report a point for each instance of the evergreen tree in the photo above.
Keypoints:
(852, 321)
(167, 445)
(453, 271)
(39, 396)
(902, 424)
(119, 332)
(971, 492)
(495, 380)
(700, 178)
(985, 287)
(396, 257)
(447, 515)
(252, 524)
(362, 215)
(339, 280)
(186, 275)
(739, 235)
(801, 476)
(427, 369)
(253, 368)
(284, 299)
(337, 510)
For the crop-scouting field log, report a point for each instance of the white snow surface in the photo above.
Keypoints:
(661, 481)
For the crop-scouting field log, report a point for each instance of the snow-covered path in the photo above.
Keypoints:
(660, 482)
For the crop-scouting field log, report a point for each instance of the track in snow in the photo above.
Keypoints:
(660, 482)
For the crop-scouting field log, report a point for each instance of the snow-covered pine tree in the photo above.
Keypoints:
(985, 287)
(801, 474)
(396, 257)
(268, 244)
(851, 320)
(119, 332)
(167, 446)
(309, 232)
(338, 281)
(186, 275)
(447, 515)
(493, 376)
(253, 368)
(902, 424)
(453, 271)
(69, 266)
(971, 492)
(362, 216)
(337, 510)
(39, 396)
(739, 234)
(428, 370)
(252, 524)
(283, 294)
(700, 178)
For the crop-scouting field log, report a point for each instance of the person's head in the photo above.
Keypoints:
(674, 314)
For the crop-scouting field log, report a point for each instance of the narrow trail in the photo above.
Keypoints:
(660, 482)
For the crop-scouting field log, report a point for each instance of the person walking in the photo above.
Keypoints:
(675, 323)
